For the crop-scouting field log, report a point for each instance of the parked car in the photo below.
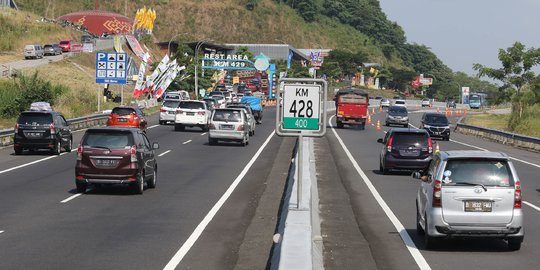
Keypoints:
(436, 124)
(52, 49)
(385, 103)
(42, 130)
(167, 111)
(426, 102)
(451, 103)
(33, 51)
(228, 125)
(116, 155)
(127, 116)
(405, 149)
(470, 194)
(66, 45)
(249, 114)
(191, 113)
(397, 115)
(400, 102)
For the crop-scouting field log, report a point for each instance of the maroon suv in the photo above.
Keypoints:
(113, 155)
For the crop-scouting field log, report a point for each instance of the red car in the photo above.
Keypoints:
(126, 116)
(65, 45)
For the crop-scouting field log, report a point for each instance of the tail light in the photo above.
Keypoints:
(240, 128)
(517, 195)
(79, 152)
(390, 141)
(178, 111)
(162, 110)
(53, 129)
(437, 194)
(133, 153)
(201, 113)
(16, 128)
(430, 145)
(211, 126)
(110, 117)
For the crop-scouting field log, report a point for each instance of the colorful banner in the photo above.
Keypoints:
(144, 19)
(135, 46)
(118, 44)
(140, 81)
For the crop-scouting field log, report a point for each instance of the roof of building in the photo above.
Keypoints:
(98, 22)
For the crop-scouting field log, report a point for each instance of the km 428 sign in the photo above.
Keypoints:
(301, 104)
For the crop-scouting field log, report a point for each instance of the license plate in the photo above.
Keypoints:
(122, 120)
(34, 134)
(437, 133)
(190, 113)
(106, 162)
(171, 112)
(227, 127)
(478, 206)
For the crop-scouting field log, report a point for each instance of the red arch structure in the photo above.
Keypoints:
(98, 22)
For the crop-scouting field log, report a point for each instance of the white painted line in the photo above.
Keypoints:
(164, 153)
(420, 260)
(1, 231)
(71, 198)
(202, 134)
(27, 164)
(177, 258)
(532, 205)
(186, 142)
(151, 127)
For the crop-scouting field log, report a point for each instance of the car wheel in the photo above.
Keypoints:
(339, 125)
(204, 128)
(212, 141)
(514, 243)
(69, 146)
(162, 122)
(406, 125)
(138, 186)
(58, 148)
(81, 187)
(419, 229)
(447, 138)
(18, 150)
(152, 182)
(430, 242)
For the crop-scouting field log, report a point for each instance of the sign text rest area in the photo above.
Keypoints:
(301, 106)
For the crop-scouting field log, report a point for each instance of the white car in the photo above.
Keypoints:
(191, 113)
(385, 103)
(400, 102)
(167, 111)
(426, 102)
(229, 124)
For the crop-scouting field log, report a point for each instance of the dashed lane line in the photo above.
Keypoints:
(532, 206)
(186, 142)
(71, 198)
(202, 134)
(151, 127)
(164, 153)
(27, 164)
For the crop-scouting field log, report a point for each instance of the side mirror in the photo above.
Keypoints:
(380, 140)
(155, 145)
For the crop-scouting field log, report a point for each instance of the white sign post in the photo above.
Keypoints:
(301, 112)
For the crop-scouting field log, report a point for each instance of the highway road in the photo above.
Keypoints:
(392, 233)
(44, 224)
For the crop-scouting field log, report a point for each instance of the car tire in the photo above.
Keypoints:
(514, 243)
(430, 242)
(382, 169)
(18, 150)
(152, 182)
(204, 128)
(339, 125)
(58, 148)
(447, 138)
(419, 229)
(162, 122)
(81, 187)
(138, 186)
(69, 145)
(212, 141)
(406, 125)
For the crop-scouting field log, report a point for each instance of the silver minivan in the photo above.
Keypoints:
(229, 124)
(470, 194)
(33, 51)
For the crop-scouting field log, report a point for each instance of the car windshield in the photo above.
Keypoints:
(400, 102)
(485, 172)
(397, 111)
(191, 105)
(217, 94)
(64, 42)
(123, 111)
(416, 139)
(108, 139)
(227, 116)
(47, 46)
(35, 119)
(437, 119)
(171, 104)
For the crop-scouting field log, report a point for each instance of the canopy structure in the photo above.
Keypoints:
(99, 22)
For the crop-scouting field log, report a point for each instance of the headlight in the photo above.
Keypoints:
(405, 118)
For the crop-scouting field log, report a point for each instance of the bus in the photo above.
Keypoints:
(477, 100)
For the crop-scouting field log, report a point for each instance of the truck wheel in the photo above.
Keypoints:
(339, 125)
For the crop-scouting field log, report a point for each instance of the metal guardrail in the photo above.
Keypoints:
(503, 137)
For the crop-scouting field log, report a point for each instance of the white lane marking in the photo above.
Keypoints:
(153, 126)
(186, 142)
(532, 205)
(71, 198)
(177, 258)
(202, 134)
(27, 164)
(164, 153)
(420, 260)
(1, 231)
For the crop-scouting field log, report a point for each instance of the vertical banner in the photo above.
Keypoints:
(140, 80)
(289, 59)
(118, 44)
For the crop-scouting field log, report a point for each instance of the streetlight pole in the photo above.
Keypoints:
(199, 44)
(169, 46)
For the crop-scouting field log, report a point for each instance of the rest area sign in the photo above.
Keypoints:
(111, 67)
(301, 107)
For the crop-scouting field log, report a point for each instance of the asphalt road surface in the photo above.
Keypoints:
(389, 239)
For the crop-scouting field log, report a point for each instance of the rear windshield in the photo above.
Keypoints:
(191, 105)
(478, 172)
(171, 104)
(35, 119)
(219, 94)
(351, 98)
(227, 116)
(123, 111)
(108, 139)
(64, 42)
(400, 102)
(417, 139)
(438, 119)
(397, 110)
(47, 46)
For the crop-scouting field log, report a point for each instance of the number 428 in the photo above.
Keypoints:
(302, 108)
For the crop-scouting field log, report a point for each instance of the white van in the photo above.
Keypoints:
(33, 51)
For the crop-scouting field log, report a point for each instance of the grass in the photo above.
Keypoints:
(493, 121)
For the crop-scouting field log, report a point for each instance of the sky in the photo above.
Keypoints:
(464, 32)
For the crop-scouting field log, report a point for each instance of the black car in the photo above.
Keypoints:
(436, 124)
(116, 155)
(42, 130)
(405, 149)
(451, 103)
